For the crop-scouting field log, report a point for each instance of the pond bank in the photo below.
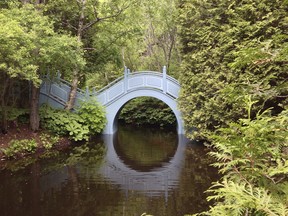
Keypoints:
(39, 143)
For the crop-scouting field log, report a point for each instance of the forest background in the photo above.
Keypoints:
(230, 58)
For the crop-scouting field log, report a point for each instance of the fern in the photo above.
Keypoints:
(250, 155)
(243, 199)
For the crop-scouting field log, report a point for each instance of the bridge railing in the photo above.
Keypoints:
(138, 80)
(58, 89)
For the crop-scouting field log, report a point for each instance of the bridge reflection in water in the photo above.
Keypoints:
(155, 175)
(160, 175)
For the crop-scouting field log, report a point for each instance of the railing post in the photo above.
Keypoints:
(164, 80)
(58, 75)
(87, 92)
(126, 71)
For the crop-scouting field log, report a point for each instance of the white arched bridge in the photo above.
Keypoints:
(114, 96)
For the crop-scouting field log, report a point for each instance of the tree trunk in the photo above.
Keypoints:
(34, 108)
(73, 91)
(3, 99)
(4, 121)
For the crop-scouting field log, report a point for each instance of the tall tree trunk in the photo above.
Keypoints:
(3, 99)
(34, 108)
(4, 121)
(73, 91)
(35, 92)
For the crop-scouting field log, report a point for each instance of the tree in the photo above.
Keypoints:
(252, 155)
(234, 91)
(78, 17)
(32, 47)
(231, 49)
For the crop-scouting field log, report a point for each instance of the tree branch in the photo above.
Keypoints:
(98, 19)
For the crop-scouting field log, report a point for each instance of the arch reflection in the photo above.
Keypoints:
(157, 176)
(144, 149)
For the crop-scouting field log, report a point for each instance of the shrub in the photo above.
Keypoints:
(147, 111)
(252, 155)
(48, 141)
(231, 48)
(88, 119)
(20, 147)
(63, 122)
(93, 115)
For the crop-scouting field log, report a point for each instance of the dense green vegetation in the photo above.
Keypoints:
(29, 47)
(147, 111)
(89, 42)
(234, 91)
(89, 119)
(232, 49)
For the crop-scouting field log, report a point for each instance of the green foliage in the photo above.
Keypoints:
(15, 49)
(15, 114)
(231, 49)
(244, 199)
(253, 156)
(89, 119)
(139, 34)
(30, 45)
(17, 147)
(255, 143)
(48, 141)
(62, 122)
(93, 115)
(147, 111)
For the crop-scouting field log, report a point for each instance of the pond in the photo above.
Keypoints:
(136, 171)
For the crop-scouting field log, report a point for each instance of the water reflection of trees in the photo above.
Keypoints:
(145, 149)
(85, 192)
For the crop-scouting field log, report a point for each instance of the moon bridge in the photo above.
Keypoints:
(115, 95)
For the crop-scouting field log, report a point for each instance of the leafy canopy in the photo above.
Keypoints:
(30, 46)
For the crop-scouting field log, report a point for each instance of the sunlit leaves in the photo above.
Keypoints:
(252, 154)
(30, 46)
(15, 49)
(244, 199)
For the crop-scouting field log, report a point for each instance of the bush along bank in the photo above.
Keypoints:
(59, 129)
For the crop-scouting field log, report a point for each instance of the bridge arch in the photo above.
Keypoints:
(114, 96)
(113, 110)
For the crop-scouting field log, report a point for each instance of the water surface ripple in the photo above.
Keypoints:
(135, 171)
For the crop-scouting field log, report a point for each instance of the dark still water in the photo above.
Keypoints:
(137, 171)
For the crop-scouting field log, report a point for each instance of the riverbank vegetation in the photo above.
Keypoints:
(234, 91)
(78, 39)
